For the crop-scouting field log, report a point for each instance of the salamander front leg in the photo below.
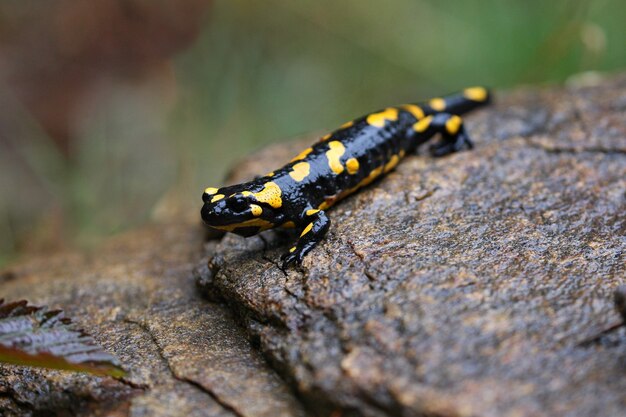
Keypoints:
(454, 138)
(317, 224)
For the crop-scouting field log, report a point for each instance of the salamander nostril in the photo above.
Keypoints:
(205, 212)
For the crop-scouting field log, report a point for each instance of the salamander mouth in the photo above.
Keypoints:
(218, 216)
(247, 231)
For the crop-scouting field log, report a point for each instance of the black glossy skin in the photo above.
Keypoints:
(378, 141)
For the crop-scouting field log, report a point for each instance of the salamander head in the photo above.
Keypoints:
(243, 210)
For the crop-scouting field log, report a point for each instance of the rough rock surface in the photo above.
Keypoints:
(459, 286)
(137, 297)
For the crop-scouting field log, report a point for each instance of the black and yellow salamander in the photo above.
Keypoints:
(298, 194)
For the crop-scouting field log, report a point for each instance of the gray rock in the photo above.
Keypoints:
(459, 286)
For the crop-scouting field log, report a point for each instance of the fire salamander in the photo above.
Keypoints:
(360, 151)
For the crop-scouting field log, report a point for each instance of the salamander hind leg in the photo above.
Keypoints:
(454, 138)
(316, 225)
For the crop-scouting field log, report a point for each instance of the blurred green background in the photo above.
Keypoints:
(114, 113)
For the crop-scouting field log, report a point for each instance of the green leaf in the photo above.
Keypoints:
(36, 336)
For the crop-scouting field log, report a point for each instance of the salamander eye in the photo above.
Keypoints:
(238, 204)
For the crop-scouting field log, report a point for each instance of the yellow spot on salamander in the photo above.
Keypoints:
(379, 119)
(352, 165)
(256, 210)
(292, 250)
(311, 212)
(475, 93)
(256, 222)
(391, 164)
(437, 104)
(289, 225)
(217, 197)
(270, 194)
(416, 111)
(347, 124)
(325, 205)
(246, 193)
(453, 124)
(307, 229)
(423, 124)
(326, 137)
(269, 174)
(302, 154)
(211, 190)
(300, 171)
(334, 154)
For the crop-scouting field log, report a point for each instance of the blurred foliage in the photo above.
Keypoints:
(260, 72)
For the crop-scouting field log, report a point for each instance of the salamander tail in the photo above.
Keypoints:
(463, 102)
